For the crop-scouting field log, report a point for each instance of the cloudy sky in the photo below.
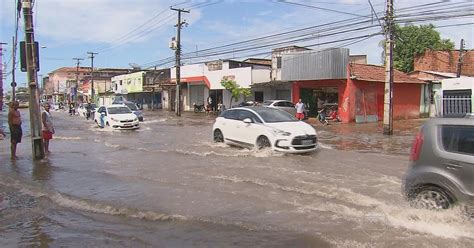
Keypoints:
(126, 32)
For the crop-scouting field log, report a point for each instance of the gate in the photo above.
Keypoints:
(366, 106)
(457, 103)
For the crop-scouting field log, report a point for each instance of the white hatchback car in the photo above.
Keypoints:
(117, 116)
(264, 127)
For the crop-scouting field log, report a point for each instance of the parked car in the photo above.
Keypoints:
(441, 171)
(133, 106)
(117, 116)
(284, 105)
(264, 127)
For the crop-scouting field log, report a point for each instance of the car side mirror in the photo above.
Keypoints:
(247, 120)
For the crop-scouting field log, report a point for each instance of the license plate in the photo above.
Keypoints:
(306, 142)
(128, 125)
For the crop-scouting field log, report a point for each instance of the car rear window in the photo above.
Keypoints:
(458, 139)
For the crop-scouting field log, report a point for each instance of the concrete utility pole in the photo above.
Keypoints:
(178, 60)
(388, 96)
(78, 62)
(1, 75)
(35, 116)
(461, 55)
(92, 55)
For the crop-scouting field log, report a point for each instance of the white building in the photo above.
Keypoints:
(457, 96)
(201, 81)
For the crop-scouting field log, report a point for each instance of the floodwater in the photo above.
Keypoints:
(168, 185)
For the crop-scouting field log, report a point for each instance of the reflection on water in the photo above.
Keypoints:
(42, 170)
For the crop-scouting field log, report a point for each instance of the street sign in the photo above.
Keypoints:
(23, 56)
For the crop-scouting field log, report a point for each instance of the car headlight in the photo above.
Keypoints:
(136, 119)
(280, 132)
(113, 119)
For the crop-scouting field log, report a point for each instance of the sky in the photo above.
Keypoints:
(129, 33)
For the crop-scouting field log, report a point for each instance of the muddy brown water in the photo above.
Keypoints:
(168, 185)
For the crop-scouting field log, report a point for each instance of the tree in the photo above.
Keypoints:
(235, 90)
(411, 41)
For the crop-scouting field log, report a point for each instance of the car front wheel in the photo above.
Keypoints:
(218, 136)
(433, 198)
(263, 142)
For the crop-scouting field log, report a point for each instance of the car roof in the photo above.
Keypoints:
(276, 101)
(115, 105)
(450, 121)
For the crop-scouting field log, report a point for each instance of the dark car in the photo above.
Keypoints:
(441, 171)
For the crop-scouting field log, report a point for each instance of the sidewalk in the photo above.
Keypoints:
(368, 137)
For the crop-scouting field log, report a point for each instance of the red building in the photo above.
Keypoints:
(360, 97)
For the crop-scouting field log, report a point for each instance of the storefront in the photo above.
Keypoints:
(315, 94)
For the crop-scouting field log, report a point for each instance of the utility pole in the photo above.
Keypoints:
(388, 95)
(78, 62)
(461, 55)
(92, 55)
(1, 75)
(178, 60)
(35, 116)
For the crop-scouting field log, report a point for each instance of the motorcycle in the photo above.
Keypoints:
(328, 113)
(198, 108)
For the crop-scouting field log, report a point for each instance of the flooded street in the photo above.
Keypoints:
(168, 185)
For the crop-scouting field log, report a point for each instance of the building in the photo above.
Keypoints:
(201, 82)
(445, 61)
(327, 77)
(457, 96)
(61, 83)
(445, 93)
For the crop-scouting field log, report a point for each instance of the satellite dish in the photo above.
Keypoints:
(135, 66)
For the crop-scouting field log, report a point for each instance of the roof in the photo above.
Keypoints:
(72, 69)
(376, 73)
(437, 73)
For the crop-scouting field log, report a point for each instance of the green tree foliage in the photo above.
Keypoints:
(411, 41)
(235, 90)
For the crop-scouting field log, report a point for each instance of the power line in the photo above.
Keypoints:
(316, 7)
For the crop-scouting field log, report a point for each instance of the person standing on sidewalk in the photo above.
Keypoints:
(299, 110)
(48, 128)
(14, 122)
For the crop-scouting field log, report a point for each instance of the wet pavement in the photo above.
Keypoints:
(168, 185)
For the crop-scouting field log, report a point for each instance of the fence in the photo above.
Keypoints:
(457, 104)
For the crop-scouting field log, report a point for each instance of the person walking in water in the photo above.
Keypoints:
(299, 110)
(48, 128)
(14, 122)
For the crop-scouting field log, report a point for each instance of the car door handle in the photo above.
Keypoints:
(453, 165)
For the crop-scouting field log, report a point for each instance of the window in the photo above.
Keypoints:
(458, 139)
(243, 114)
(258, 96)
(289, 104)
(230, 114)
(278, 62)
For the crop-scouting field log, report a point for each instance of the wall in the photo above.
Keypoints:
(406, 99)
(445, 61)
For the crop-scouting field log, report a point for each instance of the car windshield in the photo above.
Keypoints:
(131, 105)
(119, 110)
(274, 115)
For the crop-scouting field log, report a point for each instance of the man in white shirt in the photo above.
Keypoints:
(299, 110)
